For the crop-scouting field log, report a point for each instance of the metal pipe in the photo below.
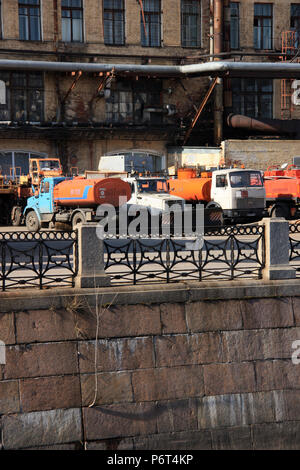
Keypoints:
(216, 68)
(238, 121)
(218, 93)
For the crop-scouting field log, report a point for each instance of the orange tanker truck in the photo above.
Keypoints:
(283, 191)
(72, 200)
(240, 193)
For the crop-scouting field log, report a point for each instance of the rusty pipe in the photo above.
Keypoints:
(238, 121)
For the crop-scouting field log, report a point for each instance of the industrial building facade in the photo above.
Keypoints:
(79, 115)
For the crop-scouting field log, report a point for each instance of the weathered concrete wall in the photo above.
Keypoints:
(260, 154)
(175, 367)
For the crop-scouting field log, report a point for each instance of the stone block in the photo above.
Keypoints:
(116, 354)
(110, 444)
(41, 428)
(190, 440)
(7, 328)
(277, 375)
(277, 436)
(232, 438)
(168, 383)
(214, 315)
(267, 313)
(35, 360)
(113, 421)
(113, 387)
(173, 318)
(177, 415)
(174, 350)
(48, 393)
(221, 379)
(9, 397)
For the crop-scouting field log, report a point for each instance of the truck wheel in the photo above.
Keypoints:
(16, 215)
(32, 222)
(78, 219)
(280, 211)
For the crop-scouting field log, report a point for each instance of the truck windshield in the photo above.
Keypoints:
(49, 164)
(156, 186)
(242, 179)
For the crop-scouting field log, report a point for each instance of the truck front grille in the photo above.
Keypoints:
(250, 203)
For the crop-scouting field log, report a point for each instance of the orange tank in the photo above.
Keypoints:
(285, 188)
(192, 189)
(81, 192)
(183, 173)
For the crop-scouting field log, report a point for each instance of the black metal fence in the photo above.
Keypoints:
(224, 253)
(295, 247)
(44, 259)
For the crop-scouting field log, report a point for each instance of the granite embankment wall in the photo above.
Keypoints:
(175, 367)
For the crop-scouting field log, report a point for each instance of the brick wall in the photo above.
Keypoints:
(188, 375)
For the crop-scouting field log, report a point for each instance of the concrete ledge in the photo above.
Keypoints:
(149, 294)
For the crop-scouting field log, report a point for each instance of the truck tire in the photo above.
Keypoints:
(77, 219)
(16, 215)
(280, 210)
(32, 222)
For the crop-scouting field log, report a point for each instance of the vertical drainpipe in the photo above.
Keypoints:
(218, 48)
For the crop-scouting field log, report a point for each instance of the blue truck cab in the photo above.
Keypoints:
(40, 207)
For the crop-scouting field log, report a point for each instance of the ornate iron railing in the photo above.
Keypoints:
(295, 247)
(44, 259)
(226, 253)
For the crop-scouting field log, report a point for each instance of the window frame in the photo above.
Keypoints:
(184, 25)
(257, 93)
(260, 37)
(294, 28)
(28, 6)
(146, 41)
(72, 9)
(114, 22)
(237, 18)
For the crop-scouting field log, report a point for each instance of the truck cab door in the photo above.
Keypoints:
(45, 198)
(220, 191)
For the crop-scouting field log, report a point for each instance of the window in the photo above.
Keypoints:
(190, 23)
(24, 97)
(135, 102)
(252, 97)
(295, 22)
(234, 25)
(72, 20)
(221, 181)
(29, 20)
(113, 15)
(15, 162)
(263, 19)
(151, 30)
(245, 179)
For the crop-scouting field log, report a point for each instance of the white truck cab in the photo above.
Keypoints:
(240, 192)
(153, 193)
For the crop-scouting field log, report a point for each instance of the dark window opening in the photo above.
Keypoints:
(114, 22)
(72, 20)
(234, 25)
(152, 16)
(23, 97)
(190, 23)
(295, 22)
(29, 20)
(252, 97)
(263, 25)
(135, 102)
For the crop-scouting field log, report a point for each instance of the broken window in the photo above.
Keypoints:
(72, 20)
(234, 25)
(295, 22)
(190, 23)
(151, 27)
(29, 20)
(114, 20)
(23, 98)
(135, 102)
(252, 97)
(263, 24)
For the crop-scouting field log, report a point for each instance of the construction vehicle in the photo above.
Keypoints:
(283, 191)
(18, 184)
(238, 193)
(72, 201)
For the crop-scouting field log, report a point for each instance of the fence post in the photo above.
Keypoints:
(277, 249)
(90, 259)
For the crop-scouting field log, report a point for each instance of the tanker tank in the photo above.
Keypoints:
(191, 189)
(82, 192)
